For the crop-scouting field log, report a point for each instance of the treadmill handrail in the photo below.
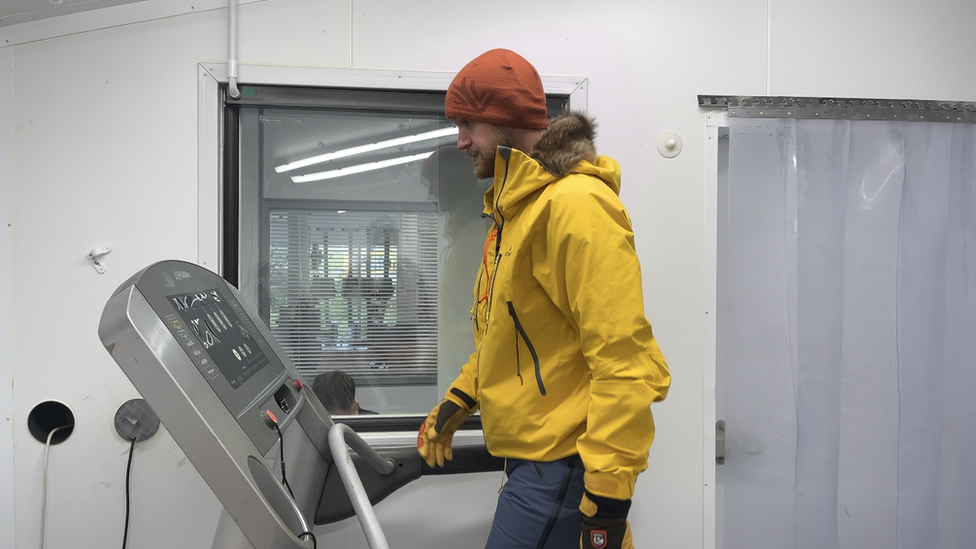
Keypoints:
(339, 435)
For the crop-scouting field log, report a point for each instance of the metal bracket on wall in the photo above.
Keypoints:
(842, 108)
(94, 256)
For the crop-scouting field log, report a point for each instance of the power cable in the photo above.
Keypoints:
(281, 445)
(47, 449)
(128, 472)
(311, 535)
(284, 477)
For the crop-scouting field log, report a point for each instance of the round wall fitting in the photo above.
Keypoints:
(48, 416)
(669, 144)
(136, 420)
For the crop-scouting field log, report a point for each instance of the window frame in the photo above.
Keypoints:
(216, 212)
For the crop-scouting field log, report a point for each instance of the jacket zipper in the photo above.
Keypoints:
(520, 331)
(491, 289)
(499, 225)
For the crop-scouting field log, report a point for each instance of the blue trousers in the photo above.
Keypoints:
(538, 508)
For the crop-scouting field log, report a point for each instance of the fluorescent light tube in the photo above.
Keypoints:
(359, 168)
(443, 132)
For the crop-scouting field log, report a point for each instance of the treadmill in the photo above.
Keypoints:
(238, 408)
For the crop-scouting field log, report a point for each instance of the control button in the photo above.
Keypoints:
(298, 384)
(269, 418)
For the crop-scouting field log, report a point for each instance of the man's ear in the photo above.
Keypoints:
(354, 409)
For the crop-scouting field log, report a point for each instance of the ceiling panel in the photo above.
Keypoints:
(22, 11)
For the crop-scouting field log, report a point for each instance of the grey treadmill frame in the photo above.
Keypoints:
(263, 513)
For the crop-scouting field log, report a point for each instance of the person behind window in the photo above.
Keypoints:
(566, 365)
(337, 392)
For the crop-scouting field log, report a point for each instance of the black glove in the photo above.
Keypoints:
(605, 523)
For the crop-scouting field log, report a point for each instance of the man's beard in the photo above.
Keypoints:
(484, 162)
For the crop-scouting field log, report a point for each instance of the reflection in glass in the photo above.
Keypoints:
(368, 273)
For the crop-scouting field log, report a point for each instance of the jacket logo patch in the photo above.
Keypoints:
(469, 98)
(598, 539)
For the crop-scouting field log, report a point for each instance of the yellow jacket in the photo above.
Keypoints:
(566, 361)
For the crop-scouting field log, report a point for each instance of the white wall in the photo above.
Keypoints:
(6, 299)
(105, 153)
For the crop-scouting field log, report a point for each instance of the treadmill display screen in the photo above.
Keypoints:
(229, 345)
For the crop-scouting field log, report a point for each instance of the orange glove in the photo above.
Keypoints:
(605, 523)
(437, 432)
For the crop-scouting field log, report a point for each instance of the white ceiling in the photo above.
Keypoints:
(22, 11)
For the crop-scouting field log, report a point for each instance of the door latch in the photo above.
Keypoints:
(720, 441)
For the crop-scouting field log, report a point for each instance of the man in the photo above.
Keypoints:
(337, 392)
(566, 365)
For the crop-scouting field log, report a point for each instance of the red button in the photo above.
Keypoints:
(297, 384)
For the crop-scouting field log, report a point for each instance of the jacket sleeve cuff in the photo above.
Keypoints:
(608, 508)
(462, 399)
(608, 486)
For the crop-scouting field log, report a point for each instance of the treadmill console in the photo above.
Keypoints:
(225, 390)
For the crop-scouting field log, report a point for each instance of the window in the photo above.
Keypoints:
(354, 225)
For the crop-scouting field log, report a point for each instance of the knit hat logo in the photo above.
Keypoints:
(468, 98)
(498, 87)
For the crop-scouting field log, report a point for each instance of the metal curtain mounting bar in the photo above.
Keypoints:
(908, 110)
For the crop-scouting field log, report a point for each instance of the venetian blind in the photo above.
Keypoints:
(355, 291)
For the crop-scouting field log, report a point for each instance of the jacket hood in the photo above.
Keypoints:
(568, 140)
(566, 147)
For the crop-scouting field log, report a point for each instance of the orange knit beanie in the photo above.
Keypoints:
(499, 87)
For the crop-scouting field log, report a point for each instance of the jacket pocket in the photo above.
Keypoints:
(520, 332)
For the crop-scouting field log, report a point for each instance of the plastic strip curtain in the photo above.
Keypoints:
(847, 335)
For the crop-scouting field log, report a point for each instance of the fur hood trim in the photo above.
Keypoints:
(568, 140)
